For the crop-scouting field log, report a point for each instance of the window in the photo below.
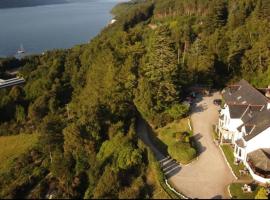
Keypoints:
(239, 153)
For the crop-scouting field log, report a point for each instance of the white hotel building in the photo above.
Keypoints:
(245, 123)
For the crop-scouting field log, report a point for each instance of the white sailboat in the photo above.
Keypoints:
(21, 50)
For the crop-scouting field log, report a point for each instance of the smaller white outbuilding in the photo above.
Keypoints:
(112, 21)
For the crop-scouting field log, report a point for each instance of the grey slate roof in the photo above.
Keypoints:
(260, 159)
(244, 93)
(261, 120)
(237, 110)
(250, 105)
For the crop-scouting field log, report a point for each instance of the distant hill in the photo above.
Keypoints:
(28, 3)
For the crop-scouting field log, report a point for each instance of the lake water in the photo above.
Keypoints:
(59, 24)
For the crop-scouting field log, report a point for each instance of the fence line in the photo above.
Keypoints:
(172, 189)
(189, 125)
(227, 162)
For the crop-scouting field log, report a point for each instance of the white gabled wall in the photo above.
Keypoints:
(225, 111)
(231, 124)
(234, 124)
(258, 142)
(227, 118)
(237, 135)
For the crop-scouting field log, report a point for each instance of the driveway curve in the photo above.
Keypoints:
(208, 176)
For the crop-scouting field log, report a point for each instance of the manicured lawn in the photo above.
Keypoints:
(13, 146)
(228, 151)
(237, 192)
(177, 137)
(173, 131)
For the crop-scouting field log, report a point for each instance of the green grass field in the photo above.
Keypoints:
(228, 151)
(13, 146)
(173, 131)
(237, 192)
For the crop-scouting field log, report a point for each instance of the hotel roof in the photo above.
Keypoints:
(246, 103)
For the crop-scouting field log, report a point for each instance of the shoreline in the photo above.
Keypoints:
(85, 34)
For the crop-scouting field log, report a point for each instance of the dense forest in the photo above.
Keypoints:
(84, 102)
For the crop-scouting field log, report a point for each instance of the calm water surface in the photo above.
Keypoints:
(45, 27)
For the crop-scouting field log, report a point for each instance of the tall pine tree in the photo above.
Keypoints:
(217, 16)
(161, 69)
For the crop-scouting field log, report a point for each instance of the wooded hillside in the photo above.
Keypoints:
(84, 101)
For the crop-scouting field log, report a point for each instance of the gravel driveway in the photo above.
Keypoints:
(208, 176)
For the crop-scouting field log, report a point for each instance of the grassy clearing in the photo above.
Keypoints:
(177, 137)
(173, 131)
(237, 192)
(228, 151)
(13, 146)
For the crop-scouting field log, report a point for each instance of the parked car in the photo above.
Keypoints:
(217, 102)
(193, 95)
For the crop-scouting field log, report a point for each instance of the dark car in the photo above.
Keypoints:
(217, 102)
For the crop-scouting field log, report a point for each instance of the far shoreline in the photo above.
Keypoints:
(86, 37)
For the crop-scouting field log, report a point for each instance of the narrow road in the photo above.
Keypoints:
(143, 131)
(208, 176)
(167, 164)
